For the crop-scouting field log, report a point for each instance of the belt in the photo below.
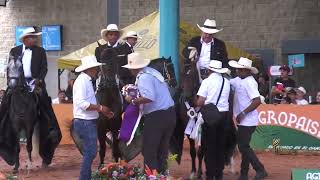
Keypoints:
(169, 109)
(88, 120)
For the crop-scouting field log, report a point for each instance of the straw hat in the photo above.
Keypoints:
(216, 66)
(110, 28)
(30, 31)
(87, 63)
(209, 27)
(136, 61)
(244, 63)
(301, 89)
(132, 34)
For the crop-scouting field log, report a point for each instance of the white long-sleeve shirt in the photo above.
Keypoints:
(83, 96)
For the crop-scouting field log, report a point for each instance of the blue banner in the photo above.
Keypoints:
(51, 37)
(19, 30)
(296, 60)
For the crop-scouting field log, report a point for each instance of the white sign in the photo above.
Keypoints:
(275, 71)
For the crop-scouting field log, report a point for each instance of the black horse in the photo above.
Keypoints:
(22, 108)
(189, 86)
(22, 112)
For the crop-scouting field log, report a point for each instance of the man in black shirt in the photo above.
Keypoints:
(280, 84)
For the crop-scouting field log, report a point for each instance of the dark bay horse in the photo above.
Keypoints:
(22, 112)
(189, 87)
(108, 94)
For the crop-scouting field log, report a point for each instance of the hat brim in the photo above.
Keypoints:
(220, 70)
(105, 31)
(138, 66)
(209, 31)
(235, 64)
(137, 37)
(83, 67)
(29, 34)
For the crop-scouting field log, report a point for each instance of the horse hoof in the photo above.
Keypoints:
(193, 176)
(101, 166)
(199, 175)
(15, 171)
(44, 165)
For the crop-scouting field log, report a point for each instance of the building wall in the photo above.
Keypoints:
(248, 24)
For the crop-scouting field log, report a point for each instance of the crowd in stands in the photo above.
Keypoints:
(285, 90)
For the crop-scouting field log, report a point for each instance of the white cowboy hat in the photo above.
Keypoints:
(302, 89)
(30, 31)
(132, 34)
(136, 61)
(216, 66)
(209, 27)
(110, 28)
(88, 62)
(244, 63)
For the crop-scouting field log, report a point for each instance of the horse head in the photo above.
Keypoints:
(166, 68)
(190, 80)
(109, 70)
(15, 72)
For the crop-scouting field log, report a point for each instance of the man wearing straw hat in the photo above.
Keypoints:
(158, 111)
(130, 38)
(111, 35)
(246, 101)
(86, 112)
(205, 47)
(213, 95)
(35, 68)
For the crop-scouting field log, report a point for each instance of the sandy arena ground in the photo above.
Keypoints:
(66, 165)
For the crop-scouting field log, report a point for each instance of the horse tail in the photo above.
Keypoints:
(35, 140)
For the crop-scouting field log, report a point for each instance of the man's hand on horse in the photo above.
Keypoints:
(38, 82)
(106, 111)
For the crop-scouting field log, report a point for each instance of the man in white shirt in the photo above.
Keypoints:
(214, 90)
(86, 112)
(246, 101)
(301, 91)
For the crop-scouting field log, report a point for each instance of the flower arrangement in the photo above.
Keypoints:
(126, 171)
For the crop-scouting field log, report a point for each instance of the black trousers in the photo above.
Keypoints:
(248, 156)
(214, 146)
(157, 132)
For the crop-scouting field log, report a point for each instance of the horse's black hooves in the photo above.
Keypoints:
(44, 165)
(101, 165)
(15, 171)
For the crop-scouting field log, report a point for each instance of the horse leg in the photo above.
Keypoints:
(17, 150)
(193, 157)
(29, 134)
(200, 158)
(102, 129)
(115, 147)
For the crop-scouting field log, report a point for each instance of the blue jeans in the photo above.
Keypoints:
(87, 132)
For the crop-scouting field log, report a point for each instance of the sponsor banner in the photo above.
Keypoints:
(305, 174)
(293, 127)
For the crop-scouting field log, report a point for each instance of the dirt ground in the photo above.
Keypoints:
(66, 165)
